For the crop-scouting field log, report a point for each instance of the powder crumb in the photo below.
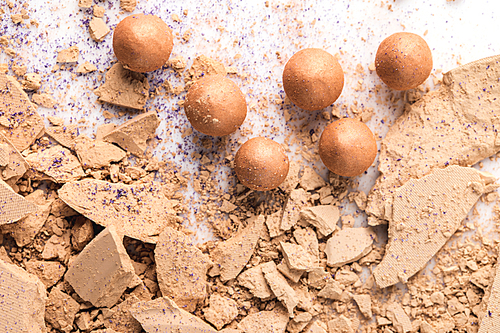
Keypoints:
(221, 311)
(128, 5)
(98, 11)
(32, 81)
(85, 68)
(19, 70)
(84, 3)
(44, 100)
(70, 54)
(177, 63)
(98, 29)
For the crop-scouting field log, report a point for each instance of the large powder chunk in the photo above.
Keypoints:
(163, 315)
(139, 211)
(20, 123)
(455, 125)
(58, 163)
(23, 296)
(426, 213)
(13, 206)
(102, 271)
(181, 269)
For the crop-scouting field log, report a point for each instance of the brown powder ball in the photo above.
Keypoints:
(261, 164)
(215, 106)
(142, 43)
(347, 147)
(403, 61)
(313, 79)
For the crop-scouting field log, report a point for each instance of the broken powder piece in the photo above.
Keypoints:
(98, 29)
(13, 206)
(203, 66)
(364, 303)
(70, 54)
(315, 328)
(96, 154)
(64, 135)
(128, 5)
(253, 279)
(360, 199)
(310, 179)
(23, 125)
(44, 100)
(399, 318)
(349, 245)
(124, 88)
(292, 274)
(280, 287)
(426, 213)
(221, 311)
(57, 247)
(19, 70)
(274, 321)
(231, 256)
(346, 277)
(32, 81)
(14, 166)
(23, 300)
(58, 163)
(292, 178)
(296, 201)
(323, 217)
(273, 222)
(307, 238)
(103, 130)
(299, 322)
(85, 68)
(120, 318)
(181, 269)
(133, 209)
(318, 277)
(16, 18)
(82, 233)
(134, 134)
(60, 309)
(490, 322)
(177, 63)
(415, 145)
(102, 271)
(297, 257)
(347, 221)
(481, 277)
(49, 272)
(98, 11)
(340, 325)
(332, 290)
(84, 3)
(5, 257)
(163, 315)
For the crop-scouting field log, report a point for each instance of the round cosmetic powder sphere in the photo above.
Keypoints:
(215, 106)
(261, 164)
(313, 79)
(347, 147)
(142, 43)
(403, 61)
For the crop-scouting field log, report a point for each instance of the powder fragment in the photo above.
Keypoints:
(121, 319)
(181, 268)
(98, 29)
(274, 321)
(19, 70)
(13, 206)
(23, 300)
(32, 81)
(177, 63)
(104, 130)
(49, 272)
(348, 245)
(58, 163)
(44, 100)
(299, 322)
(133, 209)
(340, 325)
(280, 287)
(297, 258)
(70, 54)
(102, 271)
(13, 165)
(21, 124)
(254, 280)
(323, 217)
(84, 3)
(86, 67)
(295, 202)
(82, 233)
(292, 178)
(57, 247)
(332, 290)
(60, 309)
(16, 18)
(231, 256)
(221, 311)
(64, 135)
(315, 328)
(163, 315)
(364, 303)
(128, 5)
(432, 208)
(399, 318)
(273, 222)
(124, 88)
(310, 179)
(98, 11)
(203, 66)
(346, 277)
(481, 277)
(96, 154)
(318, 278)
(292, 274)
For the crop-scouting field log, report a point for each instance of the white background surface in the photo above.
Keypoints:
(457, 32)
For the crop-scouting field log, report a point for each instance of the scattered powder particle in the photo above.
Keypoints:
(19, 70)
(310, 179)
(13, 206)
(70, 54)
(323, 217)
(86, 67)
(128, 5)
(58, 163)
(102, 271)
(16, 18)
(98, 29)
(203, 66)
(44, 100)
(124, 88)
(348, 245)
(177, 63)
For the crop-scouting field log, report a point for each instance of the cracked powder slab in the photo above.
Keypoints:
(138, 211)
(454, 125)
(348, 245)
(163, 315)
(23, 300)
(490, 323)
(20, 123)
(231, 256)
(426, 213)
(12, 164)
(124, 88)
(134, 134)
(13, 206)
(102, 271)
(181, 269)
(58, 163)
